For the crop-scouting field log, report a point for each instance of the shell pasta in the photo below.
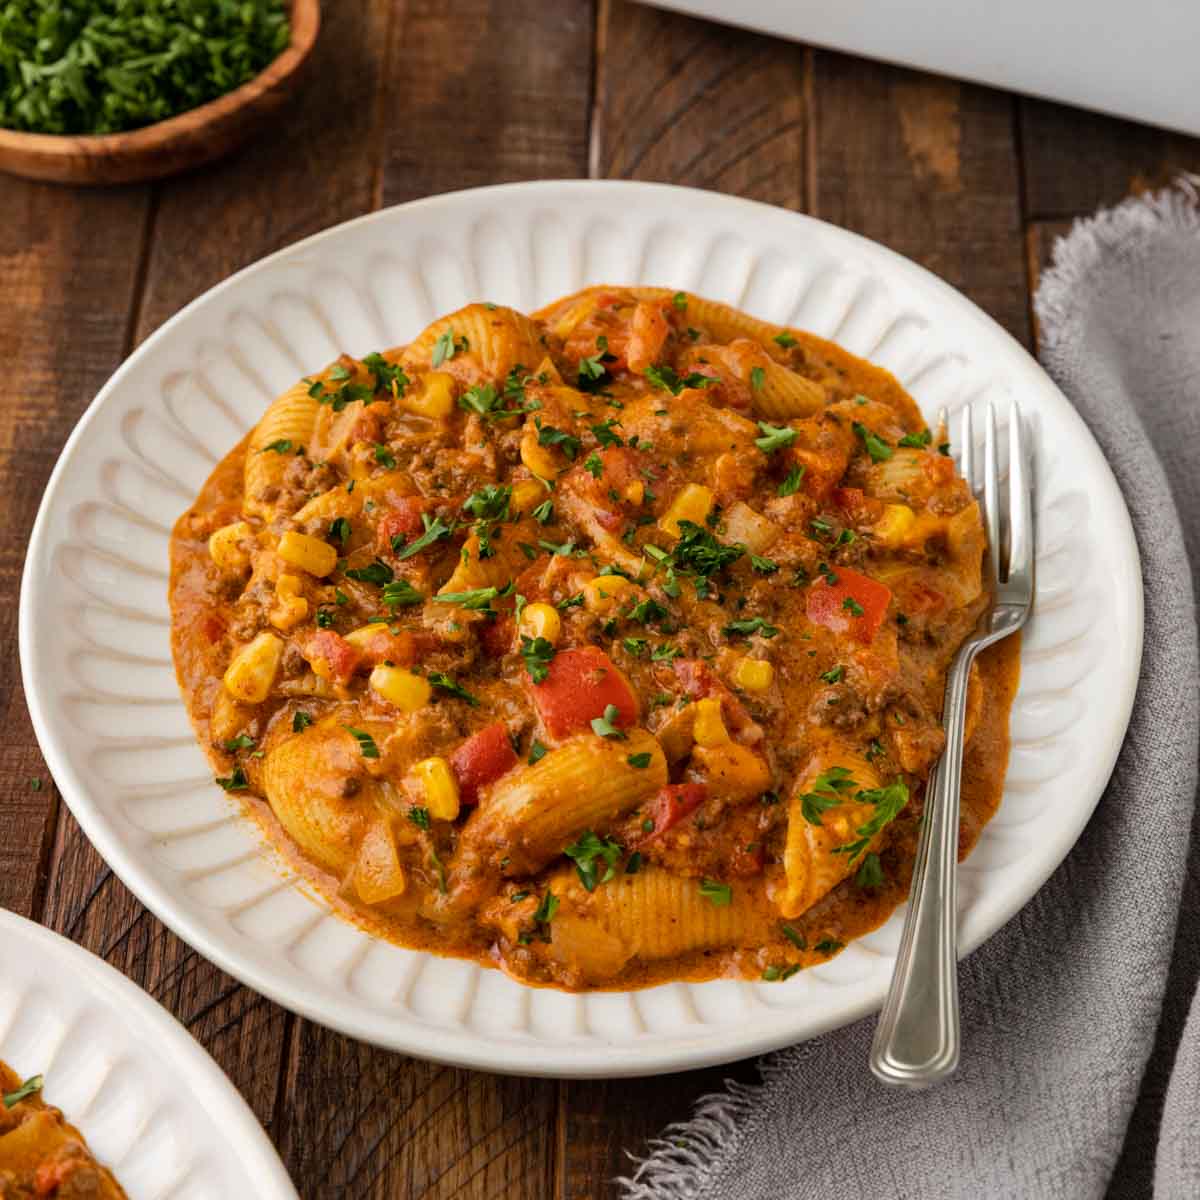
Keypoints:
(604, 644)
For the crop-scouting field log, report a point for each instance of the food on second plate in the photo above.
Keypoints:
(41, 1154)
(606, 645)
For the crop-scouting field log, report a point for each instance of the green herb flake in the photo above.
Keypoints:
(791, 482)
(757, 378)
(538, 653)
(30, 1087)
(639, 760)
(606, 726)
(870, 874)
(916, 441)
(774, 437)
(366, 743)
(300, 721)
(383, 456)
(279, 446)
(784, 339)
(537, 751)
(439, 679)
(401, 594)
(764, 566)
(719, 895)
(236, 782)
(593, 855)
(876, 447)
(419, 816)
(834, 674)
(853, 607)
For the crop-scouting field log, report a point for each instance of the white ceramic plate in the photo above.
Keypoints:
(152, 1104)
(94, 623)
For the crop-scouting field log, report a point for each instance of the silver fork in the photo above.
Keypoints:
(917, 1039)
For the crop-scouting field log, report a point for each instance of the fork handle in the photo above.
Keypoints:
(917, 1039)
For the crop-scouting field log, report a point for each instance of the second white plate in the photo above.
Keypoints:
(94, 624)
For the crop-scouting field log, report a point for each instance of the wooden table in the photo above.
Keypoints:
(407, 99)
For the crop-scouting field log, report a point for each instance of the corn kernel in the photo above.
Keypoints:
(635, 493)
(435, 780)
(894, 525)
(308, 553)
(753, 674)
(709, 728)
(527, 495)
(605, 592)
(408, 692)
(693, 503)
(290, 606)
(434, 400)
(539, 459)
(252, 671)
(541, 621)
(360, 638)
(224, 548)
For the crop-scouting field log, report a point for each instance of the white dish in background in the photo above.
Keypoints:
(95, 648)
(153, 1106)
(1099, 54)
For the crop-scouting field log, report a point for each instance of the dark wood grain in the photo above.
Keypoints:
(486, 91)
(68, 270)
(928, 167)
(1077, 161)
(689, 102)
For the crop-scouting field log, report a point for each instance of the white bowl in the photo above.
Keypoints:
(94, 629)
(151, 1103)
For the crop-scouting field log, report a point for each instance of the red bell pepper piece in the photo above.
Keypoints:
(580, 684)
(855, 603)
(339, 655)
(481, 760)
(674, 803)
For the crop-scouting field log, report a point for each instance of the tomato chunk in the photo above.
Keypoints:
(673, 804)
(699, 680)
(855, 604)
(481, 760)
(403, 521)
(330, 655)
(580, 684)
(399, 649)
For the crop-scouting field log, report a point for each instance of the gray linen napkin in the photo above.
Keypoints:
(1064, 1006)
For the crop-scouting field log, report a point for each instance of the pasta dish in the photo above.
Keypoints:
(40, 1153)
(605, 645)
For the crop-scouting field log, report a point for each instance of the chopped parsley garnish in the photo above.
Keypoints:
(593, 466)
(827, 792)
(383, 456)
(593, 854)
(748, 626)
(877, 448)
(639, 760)
(764, 566)
(547, 909)
(563, 548)
(475, 600)
(647, 612)
(32, 1085)
(889, 802)
(634, 863)
(757, 378)
(679, 300)
(719, 895)
(665, 653)
(592, 372)
(834, 674)
(870, 874)
(794, 936)
(606, 725)
(604, 433)
(784, 339)
(635, 646)
(853, 607)
(538, 653)
(339, 530)
(243, 741)
(575, 601)
(544, 513)
(774, 437)
(699, 552)
(447, 346)
(917, 441)
(400, 594)
(791, 482)
(774, 974)
(490, 503)
(279, 446)
(665, 377)
(366, 743)
(419, 816)
(537, 751)
(548, 435)
(828, 946)
(389, 377)
(378, 573)
(435, 529)
(944, 449)
(439, 679)
(300, 721)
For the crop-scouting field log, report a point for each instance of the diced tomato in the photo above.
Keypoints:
(699, 680)
(403, 521)
(385, 646)
(856, 604)
(481, 760)
(746, 859)
(673, 804)
(614, 491)
(648, 334)
(330, 655)
(580, 684)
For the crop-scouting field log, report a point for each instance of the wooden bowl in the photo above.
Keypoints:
(187, 140)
